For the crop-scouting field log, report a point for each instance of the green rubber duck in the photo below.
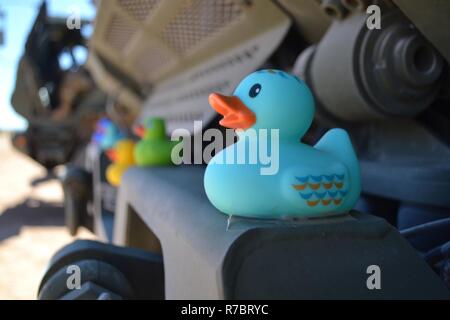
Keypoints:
(154, 149)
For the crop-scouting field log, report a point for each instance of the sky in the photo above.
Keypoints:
(18, 18)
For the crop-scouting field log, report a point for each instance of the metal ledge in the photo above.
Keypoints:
(315, 258)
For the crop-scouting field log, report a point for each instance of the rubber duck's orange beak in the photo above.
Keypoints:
(139, 131)
(112, 154)
(235, 114)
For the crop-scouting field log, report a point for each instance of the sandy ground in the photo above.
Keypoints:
(31, 223)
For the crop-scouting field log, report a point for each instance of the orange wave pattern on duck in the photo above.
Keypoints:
(321, 190)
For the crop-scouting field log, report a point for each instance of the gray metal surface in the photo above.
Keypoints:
(104, 199)
(403, 160)
(317, 258)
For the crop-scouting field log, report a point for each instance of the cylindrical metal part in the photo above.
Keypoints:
(362, 74)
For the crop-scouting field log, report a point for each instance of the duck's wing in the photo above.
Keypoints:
(318, 191)
(337, 143)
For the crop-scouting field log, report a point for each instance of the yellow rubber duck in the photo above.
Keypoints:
(122, 156)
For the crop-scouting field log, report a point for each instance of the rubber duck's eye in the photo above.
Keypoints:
(254, 90)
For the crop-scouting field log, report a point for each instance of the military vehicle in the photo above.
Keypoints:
(378, 69)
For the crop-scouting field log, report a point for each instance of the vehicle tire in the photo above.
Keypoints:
(97, 279)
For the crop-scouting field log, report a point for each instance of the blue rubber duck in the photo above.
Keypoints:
(309, 181)
(107, 134)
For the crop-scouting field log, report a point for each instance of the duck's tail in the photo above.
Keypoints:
(338, 143)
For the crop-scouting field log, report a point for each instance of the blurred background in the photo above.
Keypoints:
(78, 77)
(14, 35)
(31, 204)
